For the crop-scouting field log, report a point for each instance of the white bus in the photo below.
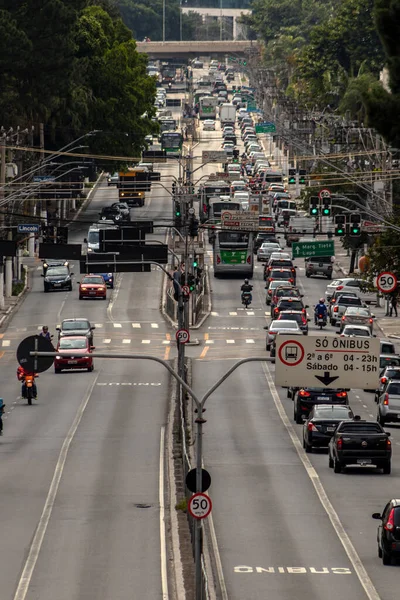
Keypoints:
(208, 107)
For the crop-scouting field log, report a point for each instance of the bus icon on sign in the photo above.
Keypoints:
(291, 352)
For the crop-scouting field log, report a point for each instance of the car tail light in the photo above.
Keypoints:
(341, 394)
(343, 318)
(249, 259)
(383, 379)
(389, 526)
(272, 332)
(218, 259)
(291, 280)
(270, 292)
(371, 320)
(304, 394)
(339, 444)
(388, 444)
(205, 208)
(304, 320)
(335, 309)
(339, 287)
(276, 311)
(386, 400)
(311, 427)
(333, 300)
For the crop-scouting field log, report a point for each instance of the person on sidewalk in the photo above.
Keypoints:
(393, 304)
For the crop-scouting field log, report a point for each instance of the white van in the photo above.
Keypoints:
(93, 237)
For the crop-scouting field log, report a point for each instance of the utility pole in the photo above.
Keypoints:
(2, 195)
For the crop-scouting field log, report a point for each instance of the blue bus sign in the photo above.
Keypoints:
(33, 228)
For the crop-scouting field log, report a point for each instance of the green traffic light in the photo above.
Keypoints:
(314, 211)
(355, 230)
(327, 212)
(195, 263)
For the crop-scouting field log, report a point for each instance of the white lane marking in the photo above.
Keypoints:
(267, 313)
(107, 341)
(145, 341)
(209, 341)
(232, 314)
(372, 416)
(5, 343)
(117, 325)
(61, 309)
(98, 325)
(36, 545)
(215, 314)
(250, 342)
(154, 325)
(163, 544)
(114, 295)
(230, 341)
(357, 396)
(365, 406)
(167, 342)
(136, 325)
(39, 268)
(126, 341)
(350, 550)
(250, 313)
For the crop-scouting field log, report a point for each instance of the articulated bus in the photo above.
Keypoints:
(233, 253)
(207, 191)
(171, 142)
(208, 107)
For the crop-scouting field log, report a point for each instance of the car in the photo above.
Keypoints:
(208, 125)
(265, 237)
(337, 294)
(92, 286)
(271, 287)
(239, 186)
(197, 64)
(266, 249)
(276, 187)
(124, 210)
(321, 423)
(54, 262)
(228, 130)
(389, 403)
(305, 398)
(388, 373)
(356, 330)
(279, 263)
(281, 274)
(319, 265)
(112, 179)
(388, 534)
(287, 291)
(276, 327)
(228, 147)
(57, 278)
(387, 347)
(76, 327)
(108, 279)
(289, 303)
(337, 310)
(81, 359)
(295, 315)
(386, 360)
(362, 288)
(111, 213)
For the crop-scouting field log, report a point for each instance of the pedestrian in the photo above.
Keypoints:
(2, 409)
(393, 304)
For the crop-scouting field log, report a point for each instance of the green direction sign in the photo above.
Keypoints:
(317, 248)
(265, 128)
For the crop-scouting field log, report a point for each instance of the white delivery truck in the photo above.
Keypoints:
(227, 114)
(299, 226)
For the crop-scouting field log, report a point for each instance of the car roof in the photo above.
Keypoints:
(290, 323)
(355, 326)
(288, 298)
(75, 319)
(74, 337)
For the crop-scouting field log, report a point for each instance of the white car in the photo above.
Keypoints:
(280, 255)
(356, 330)
(266, 249)
(208, 125)
(238, 186)
(352, 284)
(282, 326)
(241, 197)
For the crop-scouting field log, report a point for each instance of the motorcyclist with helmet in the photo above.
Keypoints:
(247, 289)
(320, 309)
(21, 374)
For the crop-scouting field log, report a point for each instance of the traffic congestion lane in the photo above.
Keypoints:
(103, 536)
(273, 533)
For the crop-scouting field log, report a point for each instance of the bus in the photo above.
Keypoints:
(208, 107)
(171, 142)
(233, 253)
(217, 205)
(207, 191)
(200, 93)
(167, 124)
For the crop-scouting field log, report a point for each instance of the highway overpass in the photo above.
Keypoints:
(192, 49)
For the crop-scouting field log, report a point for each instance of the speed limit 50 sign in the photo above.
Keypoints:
(200, 506)
(386, 282)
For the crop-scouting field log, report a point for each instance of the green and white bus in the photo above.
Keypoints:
(208, 107)
(208, 190)
(233, 253)
(171, 142)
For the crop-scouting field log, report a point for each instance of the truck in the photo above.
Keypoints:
(133, 185)
(360, 442)
(227, 114)
(299, 226)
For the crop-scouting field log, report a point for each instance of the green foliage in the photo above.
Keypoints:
(384, 254)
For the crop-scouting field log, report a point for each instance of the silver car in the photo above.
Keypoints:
(389, 403)
(390, 372)
(265, 250)
(281, 327)
(356, 330)
(357, 315)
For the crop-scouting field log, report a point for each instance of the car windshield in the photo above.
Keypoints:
(274, 284)
(93, 237)
(292, 317)
(332, 412)
(281, 274)
(283, 325)
(394, 388)
(393, 361)
(359, 312)
(360, 428)
(66, 344)
(96, 280)
(346, 301)
(291, 293)
(281, 263)
(73, 325)
(52, 272)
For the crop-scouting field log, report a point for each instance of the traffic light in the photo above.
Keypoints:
(177, 215)
(302, 176)
(195, 262)
(48, 234)
(62, 235)
(355, 225)
(292, 176)
(314, 208)
(191, 282)
(340, 225)
(326, 206)
(173, 188)
(194, 227)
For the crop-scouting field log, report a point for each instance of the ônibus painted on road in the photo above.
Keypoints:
(233, 253)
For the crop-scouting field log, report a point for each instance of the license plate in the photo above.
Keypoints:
(92, 293)
(321, 264)
(330, 429)
(57, 284)
(72, 362)
(322, 398)
(364, 461)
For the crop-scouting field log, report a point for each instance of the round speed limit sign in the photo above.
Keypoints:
(182, 336)
(386, 282)
(200, 506)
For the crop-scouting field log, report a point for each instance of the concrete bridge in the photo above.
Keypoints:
(193, 49)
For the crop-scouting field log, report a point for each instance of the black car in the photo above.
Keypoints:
(305, 398)
(57, 278)
(388, 534)
(76, 327)
(321, 424)
(111, 213)
(124, 210)
(54, 262)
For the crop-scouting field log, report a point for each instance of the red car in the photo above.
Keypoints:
(92, 286)
(80, 358)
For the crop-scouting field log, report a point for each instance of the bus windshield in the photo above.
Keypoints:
(217, 207)
(171, 142)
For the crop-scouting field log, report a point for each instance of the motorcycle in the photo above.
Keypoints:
(321, 321)
(246, 299)
(29, 381)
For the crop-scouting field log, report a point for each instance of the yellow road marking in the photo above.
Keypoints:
(205, 350)
(166, 353)
(1, 354)
(206, 336)
(168, 336)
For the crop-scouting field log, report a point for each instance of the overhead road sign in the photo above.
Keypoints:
(140, 253)
(199, 506)
(71, 251)
(8, 248)
(145, 226)
(32, 228)
(265, 127)
(35, 364)
(236, 219)
(317, 248)
(370, 227)
(386, 282)
(327, 361)
(214, 156)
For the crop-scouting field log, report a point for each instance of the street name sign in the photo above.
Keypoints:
(265, 127)
(214, 155)
(33, 228)
(327, 361)
(317, 248)
(236, 219)
(43, 178)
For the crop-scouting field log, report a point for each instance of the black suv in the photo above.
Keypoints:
(305, 398)
(389, 532)
(111, 213)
